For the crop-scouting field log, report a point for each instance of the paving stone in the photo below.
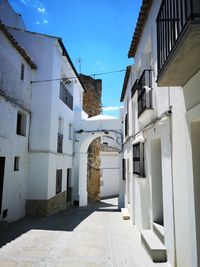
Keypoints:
(94, 236)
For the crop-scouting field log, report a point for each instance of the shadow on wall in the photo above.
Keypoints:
(66, 220)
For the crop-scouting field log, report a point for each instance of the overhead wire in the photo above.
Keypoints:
(75, 77)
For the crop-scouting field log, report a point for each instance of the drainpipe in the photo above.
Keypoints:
(173, 201)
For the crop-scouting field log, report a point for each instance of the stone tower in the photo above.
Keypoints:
(92, 106)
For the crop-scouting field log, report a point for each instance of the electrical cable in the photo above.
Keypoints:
(75, 77)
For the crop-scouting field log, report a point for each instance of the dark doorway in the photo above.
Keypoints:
(2, 168)
(157, 188)
(69, 188)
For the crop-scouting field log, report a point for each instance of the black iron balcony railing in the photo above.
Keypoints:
(144, 88)
(65, 96)
(173, 17)
(60, 143)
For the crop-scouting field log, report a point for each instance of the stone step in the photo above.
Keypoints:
(154, 246)
(159, 231)
(125, 213)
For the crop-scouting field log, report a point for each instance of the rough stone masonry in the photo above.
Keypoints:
(92, 106)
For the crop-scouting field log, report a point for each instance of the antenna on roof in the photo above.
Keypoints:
(79, 61)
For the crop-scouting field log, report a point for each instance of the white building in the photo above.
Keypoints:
(51, 98)
(16, 68)
(161, 130)
(56, 104)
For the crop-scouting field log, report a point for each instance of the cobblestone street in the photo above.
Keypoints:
(93, 236)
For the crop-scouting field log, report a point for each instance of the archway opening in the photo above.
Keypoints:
(91, 170)
(103, 169)
(94, 170)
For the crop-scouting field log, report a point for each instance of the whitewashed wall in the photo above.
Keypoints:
(9, 17)
(110, 166)
(15, 96)
(47, 108)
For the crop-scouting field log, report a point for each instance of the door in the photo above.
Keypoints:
(157, 188)
(69, 188)
(128, 181)
(2, 169)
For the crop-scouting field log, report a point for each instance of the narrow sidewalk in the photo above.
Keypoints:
(93, 236)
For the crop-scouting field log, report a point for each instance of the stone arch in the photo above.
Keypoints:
(85, 140)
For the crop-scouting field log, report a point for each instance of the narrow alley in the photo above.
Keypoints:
(89, 236)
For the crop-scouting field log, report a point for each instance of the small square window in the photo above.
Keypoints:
(123, 169)
(21, 124)
(58, 181)
(16, 164)
(126, 125)
(138, 159)
(60, 143)
(22, 71)
(70, 132)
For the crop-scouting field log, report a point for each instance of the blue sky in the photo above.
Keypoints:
(97, 31)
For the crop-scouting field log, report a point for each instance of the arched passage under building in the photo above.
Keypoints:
(87, 131)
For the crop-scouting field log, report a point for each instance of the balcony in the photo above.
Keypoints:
(178, 41)
(65, 96)
(144, 88)
(60, 143)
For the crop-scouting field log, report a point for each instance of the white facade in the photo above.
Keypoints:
(110, 166)
(9, 17)
(166, 193)
(15, 101)
(48, 109)
(110, 173)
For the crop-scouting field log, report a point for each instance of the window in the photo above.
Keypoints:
(144, 88)
(138, 159)
(60, 136)
(123, 169)
(22, 71)
(126, 124)
(70, 132)
(21, 124)
(60, 143)
(60, 126)
(58, 181)
(16, 164)
(66, 96)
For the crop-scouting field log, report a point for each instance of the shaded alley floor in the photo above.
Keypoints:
(93, 236)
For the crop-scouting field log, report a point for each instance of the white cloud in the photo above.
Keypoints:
(45, 21)
(41, 9)
(110, 108)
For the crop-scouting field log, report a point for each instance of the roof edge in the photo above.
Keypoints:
(126, 78)
(141, 22)
(18, 47)
(65, 53)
